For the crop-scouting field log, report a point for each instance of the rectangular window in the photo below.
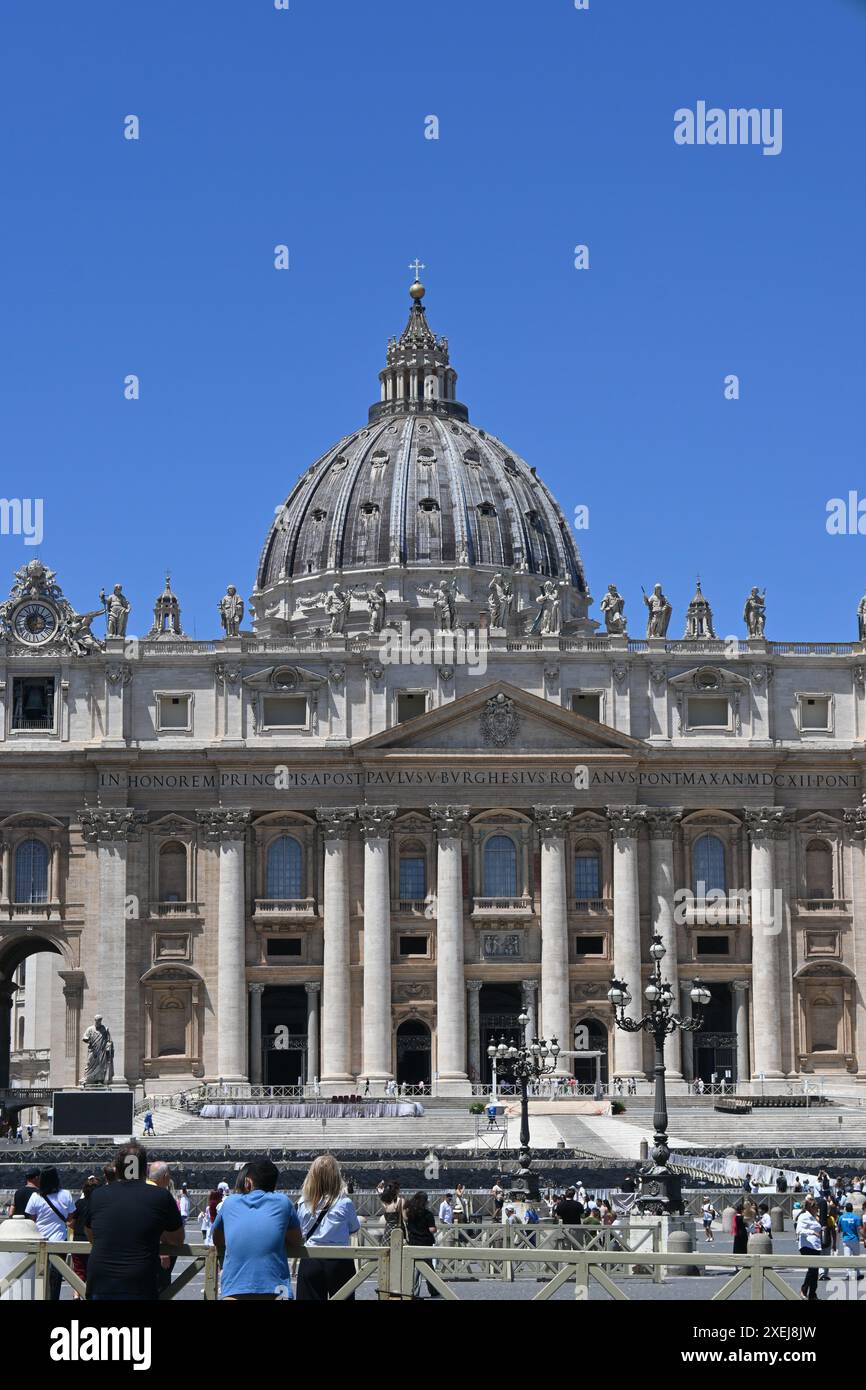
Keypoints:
(587, 703)
(815, 712)
(173, 711)
(413, 877)
(284, 712)
(708, 712)
(587, 876)
(284, 946)
(589, 946)
(410, 703)
(713, 946)
(414, 946)
(33, 703)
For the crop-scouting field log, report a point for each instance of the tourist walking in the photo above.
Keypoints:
(184, 1203)
(808, 1231)
(420, 1230)
(127, 1222)
(52, 1208)
(30, 1134)
(446, 1210)
(328, 1217)
(208, 1216)
(255, 1233)
(148, 1123)
(708, 1216)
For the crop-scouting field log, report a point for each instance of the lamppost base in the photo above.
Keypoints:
(660, 1192)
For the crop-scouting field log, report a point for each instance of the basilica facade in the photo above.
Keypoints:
(415, 788)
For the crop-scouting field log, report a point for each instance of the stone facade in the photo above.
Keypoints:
(355, 841)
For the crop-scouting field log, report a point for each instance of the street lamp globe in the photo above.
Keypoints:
(652, 992)
(699, 994)
(657, 950)
(523, 1018)
(616, 994)
(555, 1049)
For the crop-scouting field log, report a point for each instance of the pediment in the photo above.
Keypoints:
(501, 718)
(706, 679)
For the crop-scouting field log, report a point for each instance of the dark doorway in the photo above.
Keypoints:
(583, 1068)
(413, 1053)
(284, 1035)
(500, 1006)
(715, 1046)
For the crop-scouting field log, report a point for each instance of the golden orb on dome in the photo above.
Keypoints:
(416, 290)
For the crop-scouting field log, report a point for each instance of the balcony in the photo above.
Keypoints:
(31, 912)
(826, 905)
(731, 911)
(593, 907)
(175, 910)
(502, 908)
(285, 910)
(413, 907)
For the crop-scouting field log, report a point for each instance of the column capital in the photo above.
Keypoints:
(255, 988)
(474, 986)
(625, 821)
(766, 822)
(529, 986)
(855, 822)
(336, 821)
(313, 987)
(221, 823)
(740, 985)
(376, 821)
(552, 822)
(448, 821)
(106, 824)
(662, 821)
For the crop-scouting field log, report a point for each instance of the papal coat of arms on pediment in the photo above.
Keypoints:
(499, 721)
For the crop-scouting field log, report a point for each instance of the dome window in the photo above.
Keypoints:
(428, 504)
(534, 519)
(486, 509)
(318, 514)
(370, 508)
(472, 458)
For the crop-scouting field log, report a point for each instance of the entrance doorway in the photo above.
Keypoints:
(500, 1006)
(284, 1035)
(715, 1046)
(583, 1068)
(413, 1053)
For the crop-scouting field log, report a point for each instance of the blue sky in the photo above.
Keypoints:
(306, 127)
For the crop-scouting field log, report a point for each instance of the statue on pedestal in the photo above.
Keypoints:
(117, 610)
(500, 600)
(231, 611)
(861, 618)
(99, 1067)
(548, 619)
(755, 613)
(613, 608)
(659, 612)
(444, 605)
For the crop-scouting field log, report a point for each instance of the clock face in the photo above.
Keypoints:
(35, 623)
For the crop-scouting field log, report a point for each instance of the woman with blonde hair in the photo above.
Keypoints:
(328, 1217)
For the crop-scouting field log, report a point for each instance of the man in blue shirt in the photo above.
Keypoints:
(851, 1230)
(255, 1233)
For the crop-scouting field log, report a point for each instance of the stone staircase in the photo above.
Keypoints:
(440, 1129)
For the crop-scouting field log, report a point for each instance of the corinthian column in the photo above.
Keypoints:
(856, 824)
(625, 823)
(448, 822)
(376, 822)
(765, 824)
(227, 829)
(662, 821)
(552, 825)
(474, 988)
(111, 829)
(336, 823)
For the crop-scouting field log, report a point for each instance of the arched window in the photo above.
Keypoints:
(31, 872)
(587, 873)
(413, 872)
(708, 866)
(500, 867)
(819, 871)
(172, 872)
(285, 866)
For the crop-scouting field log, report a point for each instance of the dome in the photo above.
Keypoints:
(417, 489)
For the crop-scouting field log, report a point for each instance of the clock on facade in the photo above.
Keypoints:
(34, 622)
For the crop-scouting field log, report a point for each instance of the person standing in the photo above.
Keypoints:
(569, 1211)
(79, 1230)
(808, 1231)
(420, 1230)
(393, 1210)
(741, 1231)
(781, 1182)
(148, 1123)
(159, 1175)
(184, 1203)
(462, 1205)
(208, 1216)
(851, 1234)
(446, 1210)
(30, 1133)
(126, 1224)
(52, 1208)
(255, 1232)
(497, 1192)
(708, 1216)
(328, 1217)
(18, 1205)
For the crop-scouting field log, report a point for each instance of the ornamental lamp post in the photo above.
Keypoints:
(660, 1189)
(524, 1063)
